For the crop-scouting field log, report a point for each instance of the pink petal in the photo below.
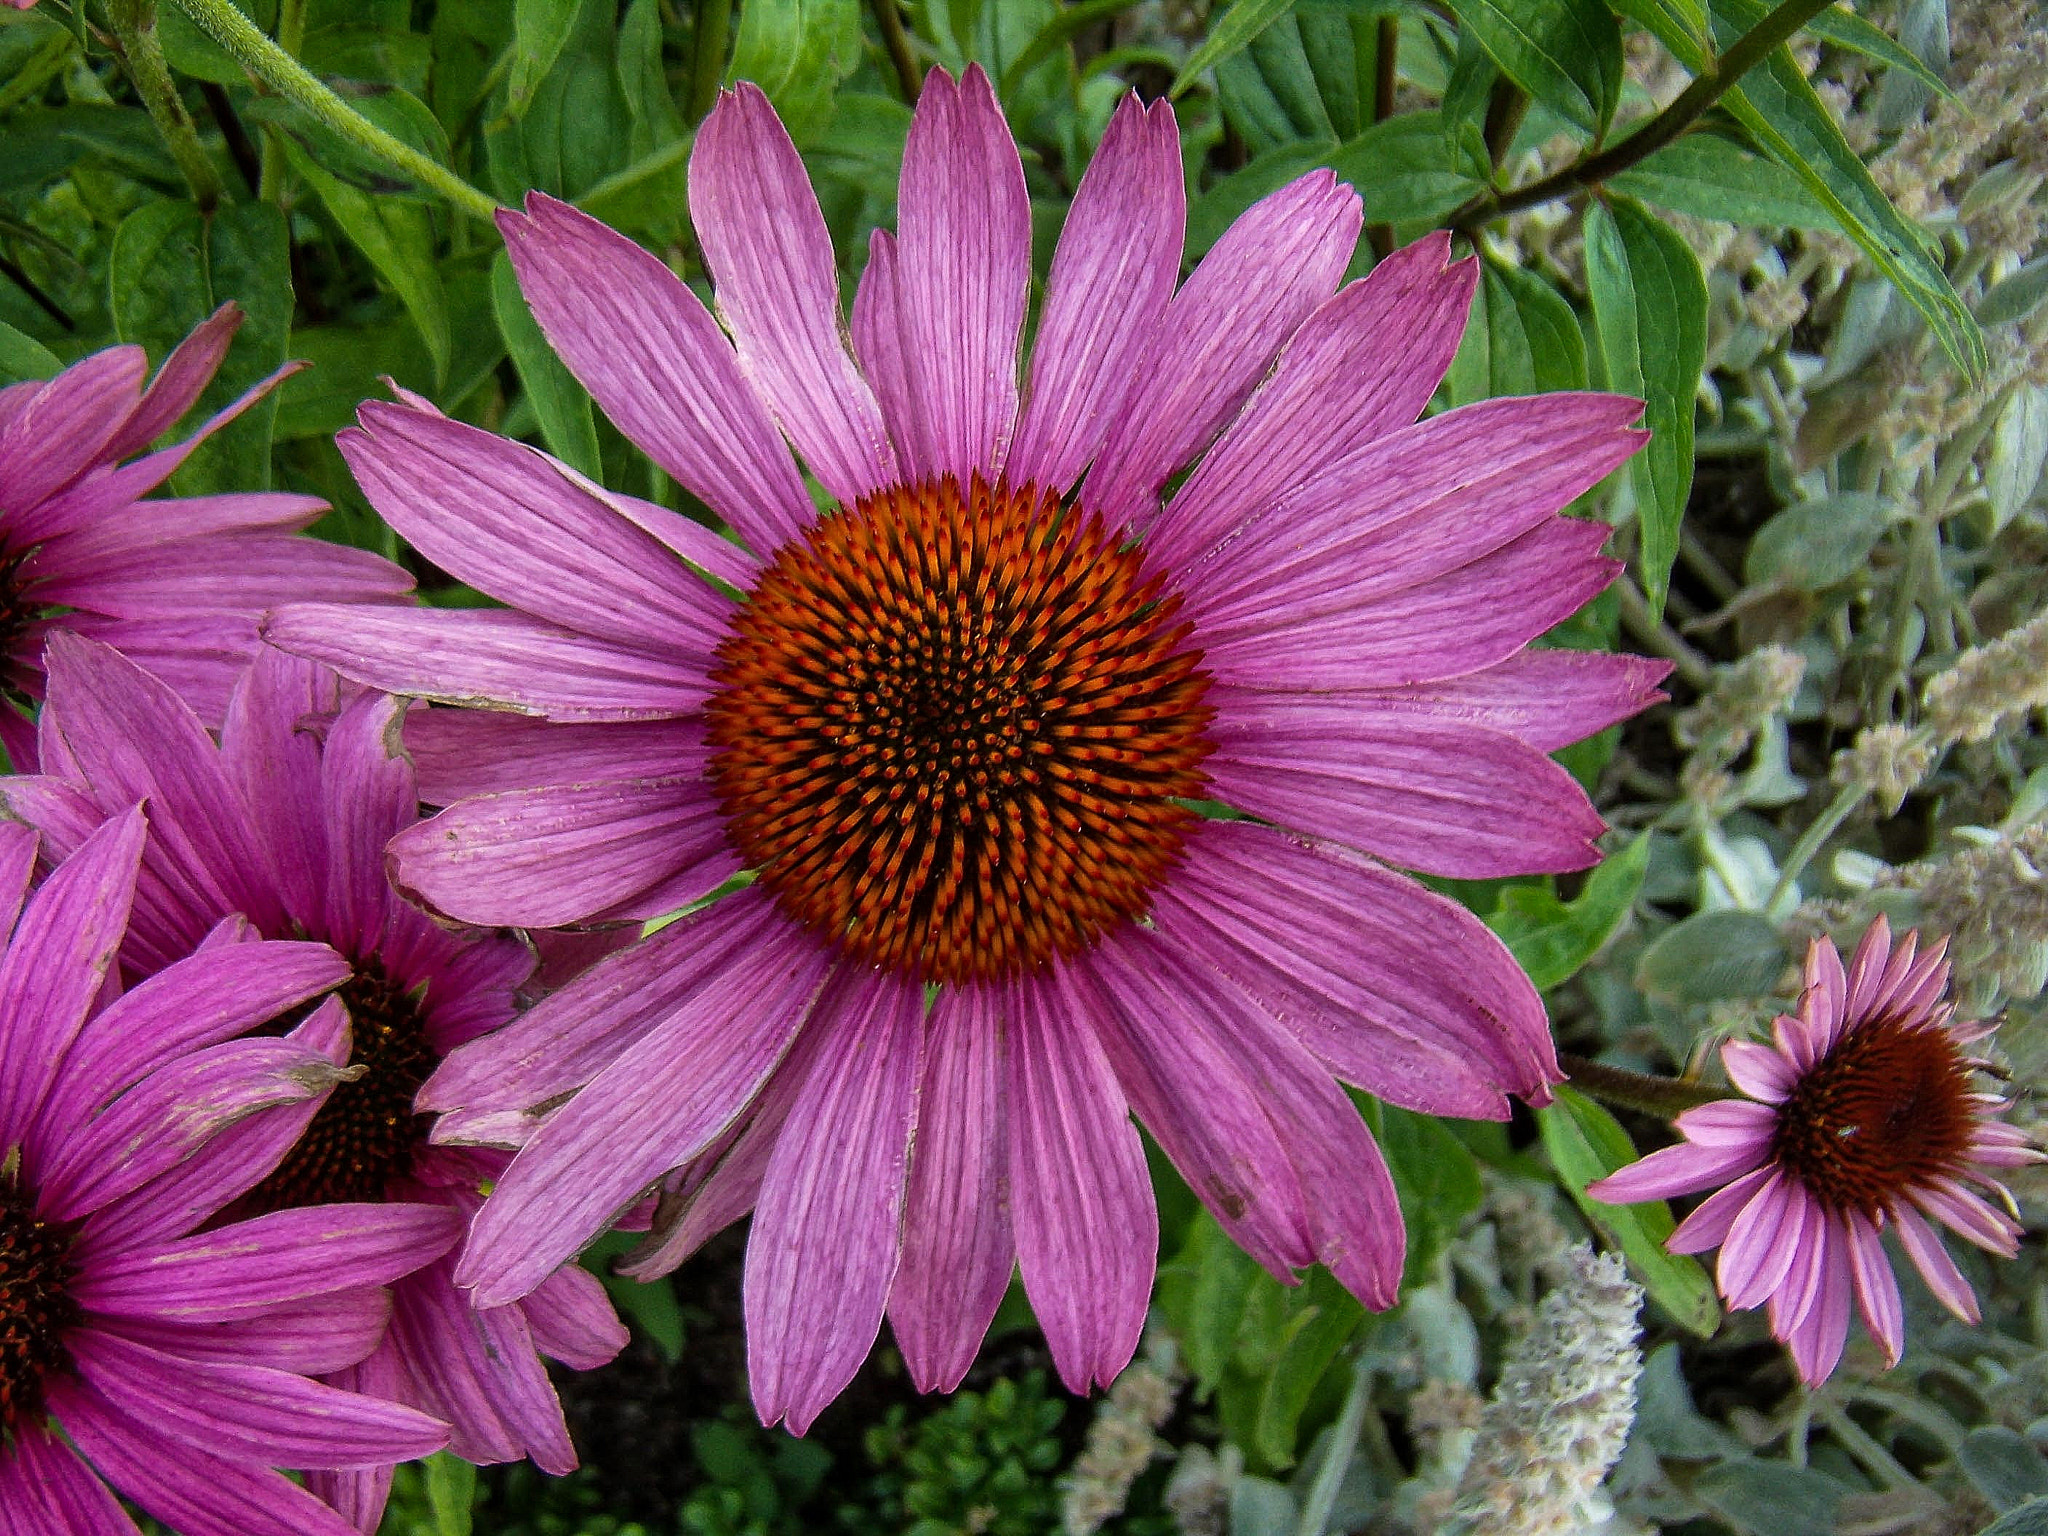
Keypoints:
(462, 753)
(1402, 992)
(573, 1321)
(231, 574)
(178, 384)
(492, 659)
(1792, 1301)
(828, 1230)
(770, 255)
(1923, 1247)
(963, 271)
(1877, 1290)
(1112, 274)
(1474, 617)
(1867, 968)
(957, 1247)
(1218, 338)
(547, 857)
(877, 330)
(19, 847)
(46, 1490)
(1762, 1244)
(191, 1490)
(1680, 1170)
(56, 963)
(1548, 699)
(1818, 1339)
(1434, 795)
(1758, 1071)
(1363, 365)
(644, 347)
(66, 427)
(252, 1412)
(1707, 1227)
(309, 1338)
(1969, 1215)
(522, 528)
(1081, 1198)
(368, 792)
(1730, 1123)
(655, 1107)
(273, 758)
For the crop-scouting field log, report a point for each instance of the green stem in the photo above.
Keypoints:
(1322, 1494)
(134, 24)
(1386, 79)
(1665, 1097)
(291, 38)
(707, 57)
(1778, 907)
(897, 41)
(276, 68)
(1708, 87)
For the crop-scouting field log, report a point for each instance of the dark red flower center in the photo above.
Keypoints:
(36, 1308)
(1886, 1111)
(954, 732)
(366, 1134)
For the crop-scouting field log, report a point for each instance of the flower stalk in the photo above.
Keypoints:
(134, 25)
(1665, 1097)
(276, 68)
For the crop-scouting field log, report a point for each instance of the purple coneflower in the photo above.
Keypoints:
(177, 584)
(284, 825)
(1864, 1116)
(961, 730)
(140, 1347)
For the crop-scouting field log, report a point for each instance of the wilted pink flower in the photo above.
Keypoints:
(1863, 1116)
(177, 584)
(173, 1360)
(960, 729)
(285, 824)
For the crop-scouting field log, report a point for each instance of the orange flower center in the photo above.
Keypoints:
(1886, 1111)
(954, 731)
(366, 1133)
(36, 1309)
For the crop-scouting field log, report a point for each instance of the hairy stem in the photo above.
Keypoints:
(134, 24)
(897, 41)
(1778, 907)
(1665, 1097)
(1708, 87)
(285, 75)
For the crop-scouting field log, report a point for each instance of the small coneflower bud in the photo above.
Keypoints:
(1561, 1412)
(1863, 1115)
(1889, 761)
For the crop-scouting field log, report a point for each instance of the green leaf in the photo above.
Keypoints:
(1523, 339)
(1564, 53)
(1711, 177)
(43, 144)
(650, 1305)
(2017, 296)
(169, 269)
(798, 51)
(2004, 1465)
(559, 402)
(1845, 29)
(1770, 1498)
(398, 237)
(1551, 939)
(1324, 1318)
(1650, 309)
(1586, 1143)
(1405, 170)
(1817, 543)
(1710, 956)
(1778, 106)
(23, 357)
(1269, 93)
(451, 1493)
(1245, 20)
(539, 29)
(1202, 1294)
(1218, 208)
(2030, 1519)
(1054, 35)
(1436, 1178)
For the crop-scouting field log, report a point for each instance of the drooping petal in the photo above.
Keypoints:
(1923, 1247)
(1730, 1123)
(272, 755)
(1762, 1244)
(1679, 1170)
(649, 353)
(656, 1106)
(311, 1338)
(1081, 1199)
(66, 425)
(45, 1490)
(490, 659)
(1218, 337)
(548, 857)
(963, 271)
(1434, 795)
(769, 253)
(572, 1320)
(1818, 1339)
(1112, 275)
(828, 1230)
(1402, 992)
(1877, 1289)
(958, 1250)
(1707, 1227)
(179, 382)
(1758, 1071)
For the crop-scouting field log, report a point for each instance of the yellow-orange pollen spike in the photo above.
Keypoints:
(953, 730)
